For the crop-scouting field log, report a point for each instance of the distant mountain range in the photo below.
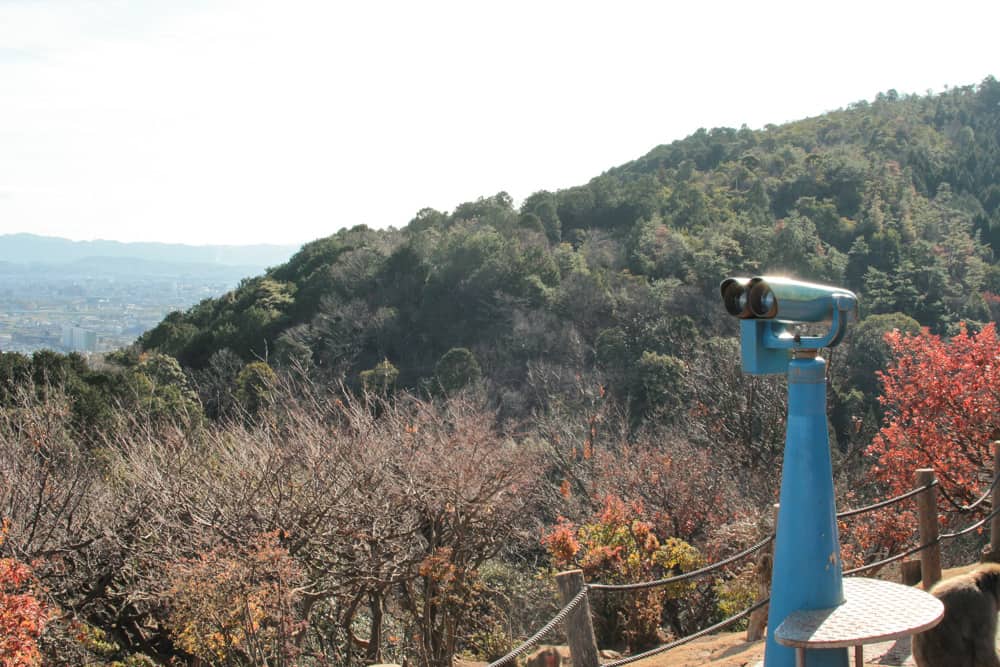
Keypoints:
(34, 249)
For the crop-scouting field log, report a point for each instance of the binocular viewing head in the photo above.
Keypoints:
(785, 299)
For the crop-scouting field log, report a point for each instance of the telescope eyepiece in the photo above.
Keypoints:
(736, 297)
(763, 302)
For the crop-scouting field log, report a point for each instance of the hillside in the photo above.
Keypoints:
(897, 199)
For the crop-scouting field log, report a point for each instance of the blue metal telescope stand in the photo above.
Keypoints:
(807, 566)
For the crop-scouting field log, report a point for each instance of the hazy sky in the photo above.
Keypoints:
(243, 121)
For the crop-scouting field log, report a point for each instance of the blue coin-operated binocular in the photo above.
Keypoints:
(807, 569)
(768, 304)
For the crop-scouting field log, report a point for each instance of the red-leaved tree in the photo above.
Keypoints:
(942, 411)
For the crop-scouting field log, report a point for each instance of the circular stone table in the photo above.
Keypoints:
(872, 611)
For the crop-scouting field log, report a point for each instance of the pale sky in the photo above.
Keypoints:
(245, 121)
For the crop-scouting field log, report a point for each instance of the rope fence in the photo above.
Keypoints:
(965, 509)
(887, 503)
(969, 529)
(690, 638)
(582, 594)
(532, 641)
(944, 537)
(693, 574)
(891, 559)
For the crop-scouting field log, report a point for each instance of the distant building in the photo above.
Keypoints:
(78, 339)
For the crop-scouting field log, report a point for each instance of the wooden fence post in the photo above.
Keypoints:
(930, 558)
(764, 565)
(579, 626)
(909, 572)
(994, 554)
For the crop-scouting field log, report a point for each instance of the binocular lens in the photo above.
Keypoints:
(763, 303)
(734, 296)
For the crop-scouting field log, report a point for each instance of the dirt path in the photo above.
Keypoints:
(730, 649)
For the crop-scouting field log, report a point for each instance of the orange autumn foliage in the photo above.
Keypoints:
(619, 546)
(22, 615)
(236, 603)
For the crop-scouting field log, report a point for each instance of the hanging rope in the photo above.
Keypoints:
(969, 529)
(687, 575)
(963, 509)
(892, 559)
(909, 552)
(684, 640)
(887, 503)
(546, 629)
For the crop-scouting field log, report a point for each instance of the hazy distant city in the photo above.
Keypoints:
(83, 312)
(55, 295)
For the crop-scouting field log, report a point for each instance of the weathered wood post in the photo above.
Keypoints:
(994, 554)
(909, 572)
(930, 558)
(764, 565)
(579, 626)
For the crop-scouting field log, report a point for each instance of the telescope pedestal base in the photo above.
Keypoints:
(807, 567)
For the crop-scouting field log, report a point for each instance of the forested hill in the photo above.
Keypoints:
(898, 199)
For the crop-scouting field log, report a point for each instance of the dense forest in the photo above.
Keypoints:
(382, 448)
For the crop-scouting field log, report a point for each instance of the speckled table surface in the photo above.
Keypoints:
(873, 611)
